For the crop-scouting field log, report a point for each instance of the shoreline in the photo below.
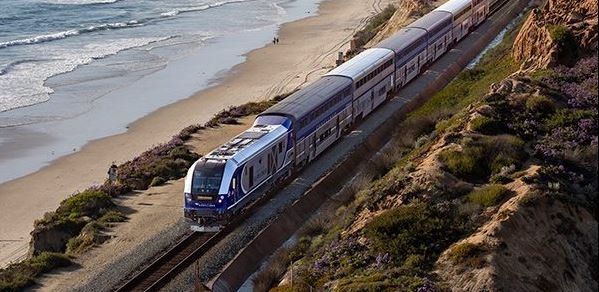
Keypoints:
(258, 77)
(112, 92)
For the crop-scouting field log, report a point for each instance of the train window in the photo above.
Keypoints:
(234, 183)
(461, 13)
(280, 147)
(251, 174)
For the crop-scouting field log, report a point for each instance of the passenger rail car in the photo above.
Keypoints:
(292, 133)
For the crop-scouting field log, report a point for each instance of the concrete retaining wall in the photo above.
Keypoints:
(417, 92)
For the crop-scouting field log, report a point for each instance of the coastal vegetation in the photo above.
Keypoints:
(373, 26)
(487, 144)
(20, 275)
(488, 195)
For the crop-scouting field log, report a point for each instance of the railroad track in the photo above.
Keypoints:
(168, 265)
(193, 246)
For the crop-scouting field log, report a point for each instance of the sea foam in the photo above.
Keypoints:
(69, 33)
(22, 83)
(80, 2)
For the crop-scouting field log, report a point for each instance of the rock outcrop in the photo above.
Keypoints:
(532, 243)
(552, 32)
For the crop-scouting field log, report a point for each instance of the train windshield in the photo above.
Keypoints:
(207, 177)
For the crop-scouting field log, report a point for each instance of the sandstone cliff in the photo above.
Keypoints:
(551, 33)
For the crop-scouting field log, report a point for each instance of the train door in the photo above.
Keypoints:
(402, 76)
(251, 177)
(313, 154)
(434, 55)
(371, 100)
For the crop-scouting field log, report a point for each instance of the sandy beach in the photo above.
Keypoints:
(307, 48)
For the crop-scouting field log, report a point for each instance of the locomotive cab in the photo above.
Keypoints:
(204, 203)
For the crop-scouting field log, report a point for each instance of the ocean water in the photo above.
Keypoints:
(64, 63)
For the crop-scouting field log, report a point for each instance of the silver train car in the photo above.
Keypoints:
(292, 133)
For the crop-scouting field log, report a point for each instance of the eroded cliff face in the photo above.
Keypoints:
(532, 243)
(552, 32)
(407, 11)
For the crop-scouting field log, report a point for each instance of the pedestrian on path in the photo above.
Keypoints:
(112, 173)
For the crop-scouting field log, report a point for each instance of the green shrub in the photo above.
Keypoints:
(485, 156)
(157, 181)
(563, 37)
(16, 283)
(410, 229)
(90, 235)
(183, 153)
(565, 117)
(113, 216)
(540, 104)
(465, 163)
(373, 282)
(539, 74)
(375, 24)
(19, 276)
(297, 252)
(488, 195)
(465, 253)
(87, 203)
(502, 151)
(485, 125)
(415, 263)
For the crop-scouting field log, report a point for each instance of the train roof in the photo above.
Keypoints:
(355, 67)
(403, 38)
(307, 99)
(432, 20)
(454, 6)
(247, 143)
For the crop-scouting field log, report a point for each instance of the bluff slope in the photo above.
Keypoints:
(490, 186)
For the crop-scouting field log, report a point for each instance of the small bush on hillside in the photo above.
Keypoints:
(17, 277)
(483, 157)
(169, 161)
(90, 235)
(540, 104)
(410, 229)
(467, 253)
(465, 163)
(566, 118)
(472, 74)
(489, 195)
(375, 24)
(564, 38)
(485, 125)
(86, 203)
(412, 128)
(113, 216)
(157, 181)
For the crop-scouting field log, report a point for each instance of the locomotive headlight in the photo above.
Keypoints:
(220, 199)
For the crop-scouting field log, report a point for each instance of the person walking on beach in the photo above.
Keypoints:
(277, 40)
(274, 40)
(112, 173)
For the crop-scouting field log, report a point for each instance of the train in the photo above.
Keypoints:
(295, 131)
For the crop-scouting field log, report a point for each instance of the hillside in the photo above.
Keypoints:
(490, 186)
